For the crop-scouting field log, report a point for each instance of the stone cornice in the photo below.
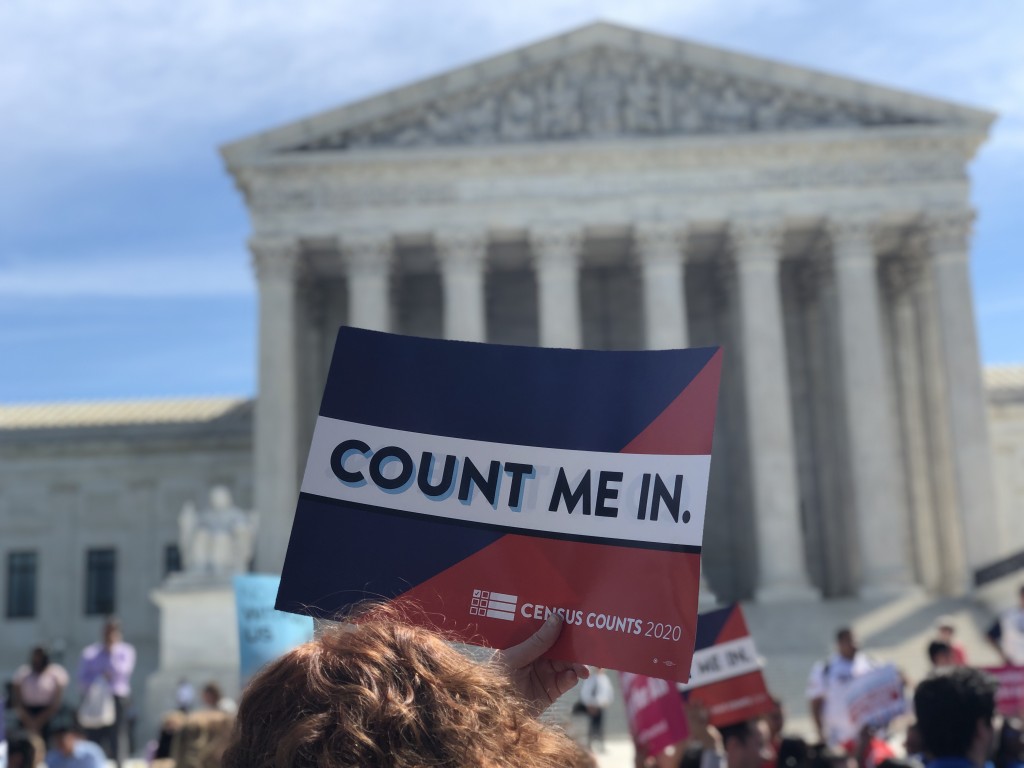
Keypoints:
(707, 150)
(628, 170)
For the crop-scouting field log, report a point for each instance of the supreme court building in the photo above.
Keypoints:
(606, 189)
(615, 189)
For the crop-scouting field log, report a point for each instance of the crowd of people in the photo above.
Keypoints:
(85, 722)
(380, 692)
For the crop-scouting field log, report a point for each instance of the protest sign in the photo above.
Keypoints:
(726, 674)
(263, 632)
(492, 486)
(876, 697)
(1010, 696)
(655, 713)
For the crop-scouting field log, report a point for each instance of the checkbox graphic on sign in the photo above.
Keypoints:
(494, 605)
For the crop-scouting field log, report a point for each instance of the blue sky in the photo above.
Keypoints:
(123, 271)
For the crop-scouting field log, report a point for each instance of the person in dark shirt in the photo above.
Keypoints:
(955, 707)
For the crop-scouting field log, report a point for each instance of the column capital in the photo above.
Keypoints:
(367, 252)
(757, 239)
(949, 232)
(659, 242)
(853, 237)
(461, 249)
(556, 244)
(901, 273)
(275, 257)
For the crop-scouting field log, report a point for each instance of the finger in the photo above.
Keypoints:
(566, 680)
(536, 644)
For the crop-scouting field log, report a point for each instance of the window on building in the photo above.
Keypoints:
(100, 582)
(172, 559)
(22, 569)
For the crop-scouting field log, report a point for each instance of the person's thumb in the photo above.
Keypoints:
(533, 647)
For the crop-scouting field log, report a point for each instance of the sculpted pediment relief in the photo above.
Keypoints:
(605, 93)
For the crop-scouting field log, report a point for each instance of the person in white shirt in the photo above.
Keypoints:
(38, 690)
(1007, 634)
(596, 694)
(826, 689)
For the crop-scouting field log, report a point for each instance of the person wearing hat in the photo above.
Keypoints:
(70, 748)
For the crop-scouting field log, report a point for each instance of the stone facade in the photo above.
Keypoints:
(111, 476)
(616, 189)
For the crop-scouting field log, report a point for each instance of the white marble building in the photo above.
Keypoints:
(90, 496)
(606, 189)
(612, 188)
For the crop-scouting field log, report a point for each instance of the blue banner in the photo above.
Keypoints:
(263, 632)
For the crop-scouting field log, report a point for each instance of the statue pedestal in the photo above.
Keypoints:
(198, 641)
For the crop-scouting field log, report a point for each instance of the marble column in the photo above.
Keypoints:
(556, 256)
(878, 493)
(902, 273)
(950, 523)
(659, 250)
(948, 235)
(462, 256)
(782, 570)
(368, 267)
(276, 451)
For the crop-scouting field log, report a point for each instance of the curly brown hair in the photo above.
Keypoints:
(385, 694)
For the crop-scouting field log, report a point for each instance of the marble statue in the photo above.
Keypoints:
(218, 540)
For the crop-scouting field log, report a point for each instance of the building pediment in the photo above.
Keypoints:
(605, 82)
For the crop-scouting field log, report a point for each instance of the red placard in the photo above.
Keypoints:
(655, 712)
(1010, 696)
(726, 673)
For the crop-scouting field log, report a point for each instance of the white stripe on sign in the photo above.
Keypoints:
(722, 661)
(498, 605)
(501, 615)
(503, 598)
(620, 496)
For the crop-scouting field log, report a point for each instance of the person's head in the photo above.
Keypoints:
(955, 706)
(20, 754)
(845, 643)
(111, 632)
(691, 757)
(776, 718)
(944, 629)
(941, 654)
(65, 733)
(39, 659)
(744, 743)
(381, 693)
(212, 694)
(793, 753)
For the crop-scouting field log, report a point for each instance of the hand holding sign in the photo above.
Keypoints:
(539, 680)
